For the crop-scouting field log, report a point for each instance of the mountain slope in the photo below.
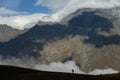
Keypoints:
(89, 37)
(16, 73)
(7, 33)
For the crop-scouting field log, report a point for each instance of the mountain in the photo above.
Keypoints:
(90, 37)
(7, 33)
(16, 73)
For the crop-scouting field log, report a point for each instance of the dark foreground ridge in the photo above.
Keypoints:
(15, 73)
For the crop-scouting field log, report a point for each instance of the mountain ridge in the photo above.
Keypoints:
(7, 33)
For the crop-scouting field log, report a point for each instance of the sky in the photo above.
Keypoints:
(24, 6)
(21, 14)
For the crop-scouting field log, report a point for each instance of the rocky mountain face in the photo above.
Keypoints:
(7, 33)
(90, 37)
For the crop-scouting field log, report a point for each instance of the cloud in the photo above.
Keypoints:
(13, 62)
(59, 67)
(71, 6)
(19, 20)
(8, 12)
(104, 71)
(66, 67)
(53, 5)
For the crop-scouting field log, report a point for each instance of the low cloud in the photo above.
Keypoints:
(60, 67)
(66, 67)
(53, 5)
(22, 21)
(73, 4)
(12, 62)
(19, 20)
(104, 71)
(63, 8)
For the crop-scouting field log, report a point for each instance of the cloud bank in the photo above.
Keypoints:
(104, 71)
(54, 5)
(66, 67)
(73, 5)
(59, 67)
(19, 20)
(22, 21)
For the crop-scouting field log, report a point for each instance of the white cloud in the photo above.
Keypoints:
(60, 4)
(66, 67)
(72, 5)
(69, 66)
(4, 11)
(13, 62)
(53, 5)
(104, 71)
(19, 20)
(59, 67)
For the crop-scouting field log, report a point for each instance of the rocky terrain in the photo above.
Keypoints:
(90, 37)
(7, 33)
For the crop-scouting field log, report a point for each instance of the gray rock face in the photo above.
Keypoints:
(90, 37)
(7, 33)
